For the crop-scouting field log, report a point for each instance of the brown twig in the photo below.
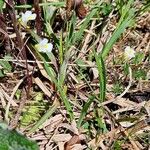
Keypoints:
(11, 10)
(21, 46)
(5, 36)
(38, 23)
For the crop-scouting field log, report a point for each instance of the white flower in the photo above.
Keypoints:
(25, 17)
(44, 46)
(129, 53)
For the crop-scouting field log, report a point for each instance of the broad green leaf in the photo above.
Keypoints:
(12, 140)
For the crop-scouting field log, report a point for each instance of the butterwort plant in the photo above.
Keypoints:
(43, 46)
(25, 17)
(129, 53)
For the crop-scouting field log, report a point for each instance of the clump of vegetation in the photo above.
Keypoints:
(77, 77)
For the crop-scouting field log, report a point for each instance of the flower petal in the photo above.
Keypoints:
(32, 17)
(44, 41)
(25, 17)
(28, 13)
(49, 47)
(44, 46)
(129, 53)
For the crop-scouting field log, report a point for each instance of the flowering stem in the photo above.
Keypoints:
(33, 34)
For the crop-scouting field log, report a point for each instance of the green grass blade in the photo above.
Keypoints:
(102, 76)
(71, 31)
(78, 35)
(52, 35)
(66, 102)
(117, 33)
(122, 25)
(62, 74)
(61, 49)
(61, 91)
(84, 111)
(98, 114)
(50, 72)
(63, 68)
(58, 4)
